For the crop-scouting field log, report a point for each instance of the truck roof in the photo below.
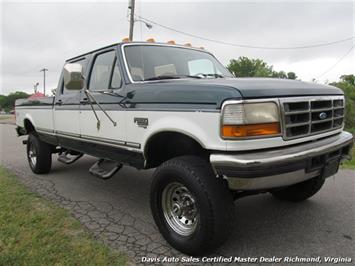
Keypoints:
(93, 51)
(138, 42)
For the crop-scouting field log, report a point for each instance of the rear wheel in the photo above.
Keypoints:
(39, 155)
(192, 208)
(301, 191)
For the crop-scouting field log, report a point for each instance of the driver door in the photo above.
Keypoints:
(104, 76)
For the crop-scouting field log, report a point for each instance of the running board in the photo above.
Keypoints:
(68, 158)
(105, 169)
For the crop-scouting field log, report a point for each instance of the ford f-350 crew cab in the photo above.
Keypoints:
(211, 137)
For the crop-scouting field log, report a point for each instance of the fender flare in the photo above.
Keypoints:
(172, 125)
(30, 119)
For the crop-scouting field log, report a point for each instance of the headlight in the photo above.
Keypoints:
(250, 120)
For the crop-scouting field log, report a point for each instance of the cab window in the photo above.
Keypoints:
(102, 71)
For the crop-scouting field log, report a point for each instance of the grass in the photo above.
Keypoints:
(3, 117)
(350, 164)
(6, 117)
(33, 231)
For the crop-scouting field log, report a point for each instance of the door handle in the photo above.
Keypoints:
(84, 101)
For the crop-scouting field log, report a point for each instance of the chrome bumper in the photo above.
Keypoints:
(282, 166)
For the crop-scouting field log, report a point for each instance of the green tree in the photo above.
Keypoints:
(350, 79)
(8, 102)
(246, 67)
(280, 74)
(347, 84)
(2, 101)
(291, 75)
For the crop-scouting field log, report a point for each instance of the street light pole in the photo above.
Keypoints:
(44, 79)
(131, 19)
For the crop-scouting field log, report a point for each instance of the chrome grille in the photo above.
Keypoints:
(311, 115)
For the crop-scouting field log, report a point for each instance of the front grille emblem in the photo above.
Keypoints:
(323, 115)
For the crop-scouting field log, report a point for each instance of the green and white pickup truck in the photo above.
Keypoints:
(212, 137)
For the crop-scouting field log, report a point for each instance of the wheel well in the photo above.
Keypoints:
(167, 145)
(28, 126)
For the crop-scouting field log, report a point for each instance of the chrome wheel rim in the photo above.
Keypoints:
(32, 154)
(180, 209)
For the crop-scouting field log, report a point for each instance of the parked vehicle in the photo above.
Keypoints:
(212, 138)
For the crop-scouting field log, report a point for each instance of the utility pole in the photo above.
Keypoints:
(44, 79)
(131, 19)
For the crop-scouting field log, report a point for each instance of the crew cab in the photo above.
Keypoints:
(212, 137)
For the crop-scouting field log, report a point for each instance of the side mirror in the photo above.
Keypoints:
(73, 76)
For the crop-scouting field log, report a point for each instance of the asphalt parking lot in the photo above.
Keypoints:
(117, 211)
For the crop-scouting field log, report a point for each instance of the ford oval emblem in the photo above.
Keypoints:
(323, 116)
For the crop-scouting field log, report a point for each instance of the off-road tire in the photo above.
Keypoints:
(213, 199)
(43, 162)
(301, 191)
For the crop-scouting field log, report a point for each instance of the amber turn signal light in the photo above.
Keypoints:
(240, 131)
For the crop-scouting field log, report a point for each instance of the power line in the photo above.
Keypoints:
(337, 62)
(245, 45)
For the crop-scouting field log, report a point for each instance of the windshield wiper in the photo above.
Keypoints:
(111, 93)
(212, 75)
(162, 77)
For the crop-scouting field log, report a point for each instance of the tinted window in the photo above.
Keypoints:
(101, 71)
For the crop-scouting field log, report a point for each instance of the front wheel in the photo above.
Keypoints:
(301, 191)
(39, 155)
(192, 208)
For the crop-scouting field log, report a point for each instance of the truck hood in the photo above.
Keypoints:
(211, 93)
(271, 87)
(267, 87)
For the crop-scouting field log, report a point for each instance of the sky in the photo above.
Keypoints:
(35, 35)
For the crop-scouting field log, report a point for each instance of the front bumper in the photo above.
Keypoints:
(284, 166)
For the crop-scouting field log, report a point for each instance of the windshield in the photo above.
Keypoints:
(153, 62)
